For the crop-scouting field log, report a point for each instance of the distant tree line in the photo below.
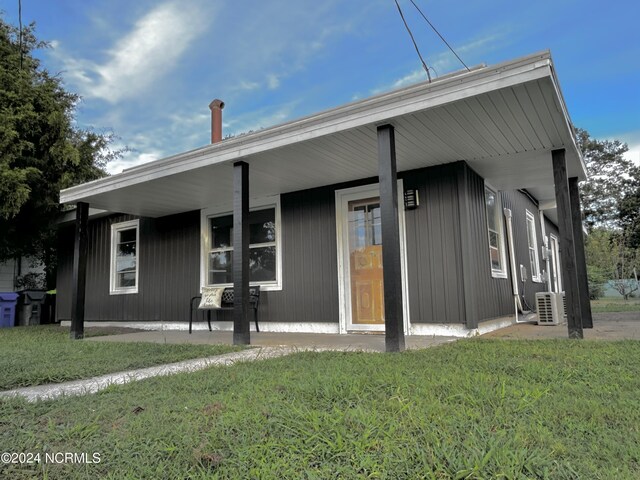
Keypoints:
(611, 212)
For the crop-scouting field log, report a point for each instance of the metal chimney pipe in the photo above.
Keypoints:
(216, 120)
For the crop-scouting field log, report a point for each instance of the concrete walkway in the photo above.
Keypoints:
(267, 345)
(606, 326)
(95, 384)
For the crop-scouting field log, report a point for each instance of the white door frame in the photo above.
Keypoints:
(343, 197)
(554, 246)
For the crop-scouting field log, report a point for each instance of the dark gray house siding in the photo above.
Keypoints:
(433, 247)
(519, 203)
(309, 260)
(493, 296)
(169, 258)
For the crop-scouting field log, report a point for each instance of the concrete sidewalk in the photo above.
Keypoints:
(606, 326)
(95, 384)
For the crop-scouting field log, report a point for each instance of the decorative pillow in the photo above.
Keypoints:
(211, 297)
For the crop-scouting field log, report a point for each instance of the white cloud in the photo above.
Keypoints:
(133, 158)
(246, 85)
(142, 56)
(632, 139)
(633, 154)
(273, 81)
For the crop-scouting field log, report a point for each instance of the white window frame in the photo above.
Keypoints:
(115, 229)
(531, 223)
(223, 210)
(502, 272)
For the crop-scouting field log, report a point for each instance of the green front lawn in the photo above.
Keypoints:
(607, 305)
(556, 409)
(45, 354)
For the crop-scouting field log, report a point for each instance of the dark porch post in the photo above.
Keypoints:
(567, 247)
(392, 275)
(581, 262)
(241, 334)
(79, 271)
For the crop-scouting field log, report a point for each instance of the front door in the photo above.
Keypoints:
(360, 282)
(365, 262)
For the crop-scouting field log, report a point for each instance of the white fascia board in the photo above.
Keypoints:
(372, 111)
(571, 134)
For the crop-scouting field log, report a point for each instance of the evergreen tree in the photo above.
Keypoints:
(41, 151)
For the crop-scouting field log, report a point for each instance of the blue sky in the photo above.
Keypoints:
(148, 69)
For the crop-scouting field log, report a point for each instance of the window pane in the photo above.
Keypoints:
(495, 259)
(127, 249)
(530, 233)
(262, 226)
(127, 279)
(125, 264)
(127, 235)
(220, 265)
(532, 261)
(490, 200)
(377, 231)
(126, 258)
(357, 227)
(262, 264)
(493, 240)
(222, 231)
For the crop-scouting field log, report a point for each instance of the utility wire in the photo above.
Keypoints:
(424, 65)
(435, 30)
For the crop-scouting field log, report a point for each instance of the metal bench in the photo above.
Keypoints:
(226, 303)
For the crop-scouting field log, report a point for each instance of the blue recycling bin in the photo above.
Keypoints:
(7, 309)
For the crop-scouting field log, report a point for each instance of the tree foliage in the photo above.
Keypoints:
(610, 201)
(611, 179)
(41, 151)
(629, 212)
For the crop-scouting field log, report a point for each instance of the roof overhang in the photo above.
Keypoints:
(504, 120)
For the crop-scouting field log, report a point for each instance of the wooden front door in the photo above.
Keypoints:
(365, 262)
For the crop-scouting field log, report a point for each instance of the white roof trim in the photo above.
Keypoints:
(375, 110)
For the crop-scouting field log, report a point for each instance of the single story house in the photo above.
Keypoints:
(439, 208)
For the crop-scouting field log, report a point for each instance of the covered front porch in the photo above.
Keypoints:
(507, 122)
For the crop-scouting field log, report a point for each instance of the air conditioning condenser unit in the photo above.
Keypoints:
(550, 307)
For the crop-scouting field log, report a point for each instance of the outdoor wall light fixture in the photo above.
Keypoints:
(411, 200)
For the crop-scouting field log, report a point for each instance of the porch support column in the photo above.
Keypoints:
(79, 272)
(581, 262)
(241, 334)
(392, 274)
(567, 244)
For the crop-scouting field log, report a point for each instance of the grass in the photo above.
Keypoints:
(610, 305)
(44, 354)
(474, 409)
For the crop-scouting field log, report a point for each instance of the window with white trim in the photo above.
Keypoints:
(264, 249)
(497, 250)
(125, 238)
(532, 243)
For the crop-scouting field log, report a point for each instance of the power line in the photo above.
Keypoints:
(424, 65)
(435, 30)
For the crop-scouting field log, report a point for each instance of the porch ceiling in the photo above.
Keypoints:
(503, 120)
